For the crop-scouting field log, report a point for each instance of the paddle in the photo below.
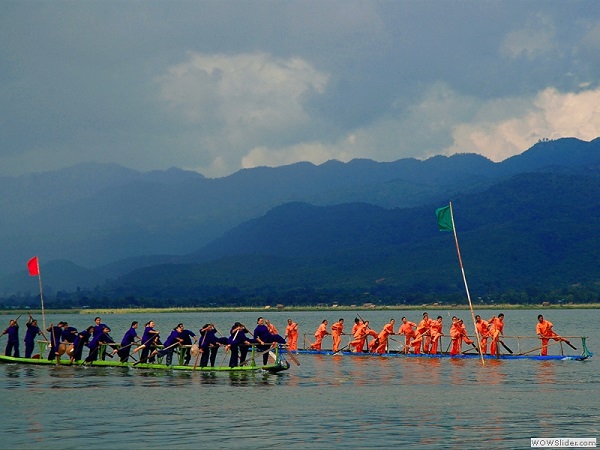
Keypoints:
(257, 354)
(505, 346)
(293, 357)
(341, 349)
(569, 344)
(154, 353)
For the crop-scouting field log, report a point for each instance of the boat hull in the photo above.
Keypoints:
(273, 368)
(447, 355)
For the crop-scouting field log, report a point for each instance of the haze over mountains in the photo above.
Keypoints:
(530, 220)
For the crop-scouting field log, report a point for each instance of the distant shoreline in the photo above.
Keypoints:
(499, 307)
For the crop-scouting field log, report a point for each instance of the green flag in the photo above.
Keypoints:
(444, 218)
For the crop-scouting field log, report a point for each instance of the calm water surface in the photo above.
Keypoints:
(326, 402)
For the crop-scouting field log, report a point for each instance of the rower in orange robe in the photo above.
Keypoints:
(271, 327)
(496, 330)
(291, 334)
(319, 335)
(360, 334)
(408, 331)
(371, 346)
(483, 327)
(337, 329)
(545, 332)
(382, 337)
(423, 330)
(458, 334)
(435, 330)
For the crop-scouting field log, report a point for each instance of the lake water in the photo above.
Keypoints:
(326, 402)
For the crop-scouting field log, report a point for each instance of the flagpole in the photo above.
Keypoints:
(466, 286)
(35, 270)
(41, 297)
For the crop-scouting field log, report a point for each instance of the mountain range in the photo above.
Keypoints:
(307, 231)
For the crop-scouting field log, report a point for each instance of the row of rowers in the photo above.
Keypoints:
(66, 339)
(423, 337)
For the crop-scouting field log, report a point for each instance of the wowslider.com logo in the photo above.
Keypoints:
(563, 443)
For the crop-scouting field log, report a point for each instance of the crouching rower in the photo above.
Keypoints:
(239, 342)
(128, 339)
(175, 339)
(97, 342)
(209, 344)
(266, 339)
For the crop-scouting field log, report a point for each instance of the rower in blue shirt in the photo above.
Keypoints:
(32, 332)
(209, 344)
(189, 338)
(96, 343)
(174, 340)
(128, 339)
(68, 333)
(239, 344)
(55, 336)
(81, 340)
(13, 339)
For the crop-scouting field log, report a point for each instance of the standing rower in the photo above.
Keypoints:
(291, 334)
(382, 337)
(337, 329)
(496, 330)
(13, 339)
(128, 339)
(319, 335)
(32, 332)
(407, 329)
(545, 332)
(483, 327)
(435, 329)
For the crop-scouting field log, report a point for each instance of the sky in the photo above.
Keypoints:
(217, 86)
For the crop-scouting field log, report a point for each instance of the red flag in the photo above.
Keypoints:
(33, 266)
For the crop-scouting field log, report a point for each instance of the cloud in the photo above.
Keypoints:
(497, 128)
(520, 123)
(240, 101)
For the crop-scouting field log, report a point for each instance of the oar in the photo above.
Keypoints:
(293, 357)
(257, 354)
(341, 349)
(152, 354)
(569, 344)
(505, 346)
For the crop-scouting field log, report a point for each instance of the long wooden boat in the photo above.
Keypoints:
(277, 363)
(469, 353)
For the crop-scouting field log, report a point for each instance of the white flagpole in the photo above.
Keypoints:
(466, 286)
(41, 293)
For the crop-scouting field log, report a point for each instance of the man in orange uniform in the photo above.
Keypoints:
(435, 330)
(496, 330)
(423, 330)
(458, 334)
(291, 334)
(382, 337)
(545, 332)
(359, 334)
(319, 335)
(271, 327)
(370, 332)
(337, 329)
(483, 328)
(408, 331)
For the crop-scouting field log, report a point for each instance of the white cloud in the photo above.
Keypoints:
(243, 95)
(550, 114)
